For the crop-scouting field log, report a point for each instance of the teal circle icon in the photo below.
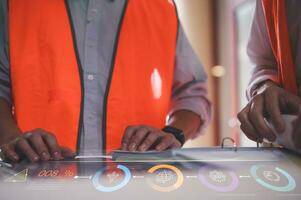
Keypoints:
(98, 186)
(273, 175)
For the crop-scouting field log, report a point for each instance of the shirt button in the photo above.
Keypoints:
(90, 77)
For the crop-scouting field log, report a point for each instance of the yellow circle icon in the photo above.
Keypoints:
(178, 183)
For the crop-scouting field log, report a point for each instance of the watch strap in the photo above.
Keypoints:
(178, 133)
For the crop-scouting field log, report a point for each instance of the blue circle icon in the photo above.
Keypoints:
(291, 184)
(124, 182)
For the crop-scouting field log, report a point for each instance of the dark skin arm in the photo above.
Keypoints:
(8, 128)
(143, 137)
(187, 121)
(35, 145)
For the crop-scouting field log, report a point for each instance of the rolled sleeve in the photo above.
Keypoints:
(193, 98)
(260, 52)
(189, 90)
(260, 77)
(5, 85)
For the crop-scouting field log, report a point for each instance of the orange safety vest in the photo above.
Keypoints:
(276, 22)
(46, 74)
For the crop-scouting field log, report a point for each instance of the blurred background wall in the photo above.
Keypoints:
(218, 31)
(196, 18)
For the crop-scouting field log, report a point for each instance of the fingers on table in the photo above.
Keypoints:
(128, 133)
(137, 138)
(53, 145)
(10, 153)
(150, 140)
(35, 145)
(25, 148)
(45, 144)
(143, 138)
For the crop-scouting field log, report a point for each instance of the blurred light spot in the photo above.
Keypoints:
(218, 71)
(233, 122)
(156, 83)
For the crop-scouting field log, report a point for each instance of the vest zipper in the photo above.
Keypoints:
(104, 119)
(80, 70)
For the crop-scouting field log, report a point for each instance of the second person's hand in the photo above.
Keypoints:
(270, 102)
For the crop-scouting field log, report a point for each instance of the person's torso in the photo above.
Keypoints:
(96, 25)
(56, 80)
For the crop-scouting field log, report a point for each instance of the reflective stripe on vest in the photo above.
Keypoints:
(46, 76)
(276, 23)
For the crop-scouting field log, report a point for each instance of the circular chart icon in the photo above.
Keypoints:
(115, 180)
(273, 178)
(165, 178)
(217, 179)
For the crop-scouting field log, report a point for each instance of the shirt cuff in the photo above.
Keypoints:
(200, 106)
(258, 80)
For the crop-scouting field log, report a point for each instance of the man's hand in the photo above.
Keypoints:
(270, 102)
(143, 138)
(297, 132)
(36, 145)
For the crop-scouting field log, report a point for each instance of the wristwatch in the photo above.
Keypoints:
(178, 133)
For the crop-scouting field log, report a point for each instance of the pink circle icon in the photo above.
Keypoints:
(218, 180)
